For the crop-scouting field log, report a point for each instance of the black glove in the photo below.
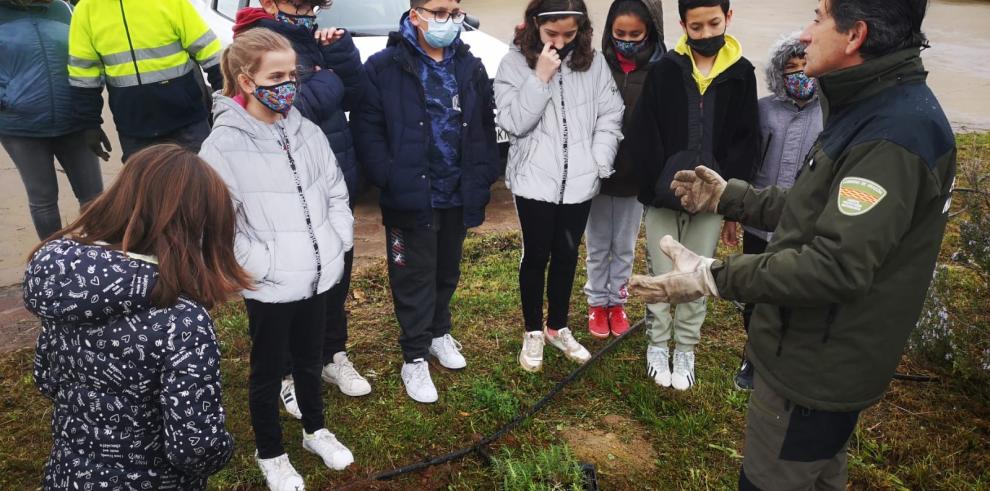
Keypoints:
(98, 143)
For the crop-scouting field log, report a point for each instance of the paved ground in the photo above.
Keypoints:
(960, 78)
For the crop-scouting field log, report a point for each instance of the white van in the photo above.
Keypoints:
(369, 22)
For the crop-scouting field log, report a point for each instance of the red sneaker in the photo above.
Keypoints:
(617, 320)
(598, 322)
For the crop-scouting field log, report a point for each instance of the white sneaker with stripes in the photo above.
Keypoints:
(288, 397)
(658, 365)
(683, 377)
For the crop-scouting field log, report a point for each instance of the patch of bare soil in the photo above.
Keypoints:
(619, 449)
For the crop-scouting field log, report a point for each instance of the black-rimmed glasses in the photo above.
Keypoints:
(442, 16)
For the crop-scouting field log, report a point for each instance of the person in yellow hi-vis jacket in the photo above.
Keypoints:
(148, 54)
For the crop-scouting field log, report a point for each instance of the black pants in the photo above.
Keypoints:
(752, 244)
(278, 329)
(551, 234)
(190, 137)
(424, 266)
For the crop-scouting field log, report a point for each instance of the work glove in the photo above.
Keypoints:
(690, 280)
(97, 142)
(699, 190)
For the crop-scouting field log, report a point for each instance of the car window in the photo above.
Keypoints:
(228, 8)
(364, 17)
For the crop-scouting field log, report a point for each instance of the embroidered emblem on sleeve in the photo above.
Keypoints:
(858, 196)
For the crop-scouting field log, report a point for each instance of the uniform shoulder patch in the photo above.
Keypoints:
(858, 196)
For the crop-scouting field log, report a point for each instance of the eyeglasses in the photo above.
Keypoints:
(442, 16)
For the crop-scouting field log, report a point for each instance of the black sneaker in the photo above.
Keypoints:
(744, 379)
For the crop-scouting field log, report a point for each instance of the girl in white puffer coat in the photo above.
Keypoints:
(294, 226)
(558, 101)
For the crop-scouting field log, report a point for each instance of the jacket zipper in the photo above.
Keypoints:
(833, 312)
(429, 132)
(564, 135)
(127, 31)
(785, 324)
(51, 86)
(284, 142)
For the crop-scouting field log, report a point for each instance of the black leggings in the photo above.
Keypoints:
(280, 331)
(551, 234)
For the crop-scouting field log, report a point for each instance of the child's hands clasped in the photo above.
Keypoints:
(548, 63)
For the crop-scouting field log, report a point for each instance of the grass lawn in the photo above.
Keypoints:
(639, 436)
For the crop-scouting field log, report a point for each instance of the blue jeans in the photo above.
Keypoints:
(35, 161)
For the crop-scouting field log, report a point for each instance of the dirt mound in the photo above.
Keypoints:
(620, 449)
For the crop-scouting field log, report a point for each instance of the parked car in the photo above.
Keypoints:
(369, 22)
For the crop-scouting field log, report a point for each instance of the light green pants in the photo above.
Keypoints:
(700, 234)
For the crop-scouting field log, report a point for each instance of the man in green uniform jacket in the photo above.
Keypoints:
(843, 282)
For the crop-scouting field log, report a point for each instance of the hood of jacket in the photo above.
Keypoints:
(247, 17)
(73, 283)
(228, 113)
(655, 36)
(727, 56)
(783, 50)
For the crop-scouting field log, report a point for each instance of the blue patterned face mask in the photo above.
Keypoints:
(799, 86)
(279, 97)
(629, 49)
(307, 21)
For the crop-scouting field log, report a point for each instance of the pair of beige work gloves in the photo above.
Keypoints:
(699, 191)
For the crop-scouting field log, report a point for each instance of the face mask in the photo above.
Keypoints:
(707, 46)
(799, 86)
(278, 98)
(441, 35)
(629, 48)
(307, 21)
(567, 49)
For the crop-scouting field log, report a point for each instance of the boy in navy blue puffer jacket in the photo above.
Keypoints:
(332, 80)
(426, 138)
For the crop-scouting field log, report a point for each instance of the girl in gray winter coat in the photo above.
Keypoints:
(557, 100)
(632, 43)
(294, 227)
(790, 121)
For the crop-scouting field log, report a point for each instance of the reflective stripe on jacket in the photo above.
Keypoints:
(135, 42)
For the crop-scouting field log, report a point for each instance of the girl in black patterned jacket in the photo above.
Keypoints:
(127, 353)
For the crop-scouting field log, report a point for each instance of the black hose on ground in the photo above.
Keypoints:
(481, 447)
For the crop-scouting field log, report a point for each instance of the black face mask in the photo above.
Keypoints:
(567, 49)
(707, 46)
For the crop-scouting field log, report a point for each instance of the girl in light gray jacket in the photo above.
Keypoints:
(559, 103)
(294, 226)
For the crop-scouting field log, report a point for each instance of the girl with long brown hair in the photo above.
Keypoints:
(294, 228)
(557, 100)
(127, 352)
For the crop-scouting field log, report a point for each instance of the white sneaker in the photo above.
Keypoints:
(531, 354)
(324, 444)
(658, 364)
(419, 384)
(447, 351)
(288, 397)
(564, 341)
(342, 374)
(279, 473)
(683, 377)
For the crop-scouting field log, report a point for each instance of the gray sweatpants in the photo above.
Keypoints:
(700, 234)
(612, 230)
(35, 161)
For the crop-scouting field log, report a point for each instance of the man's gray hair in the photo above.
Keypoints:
(892, 25)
